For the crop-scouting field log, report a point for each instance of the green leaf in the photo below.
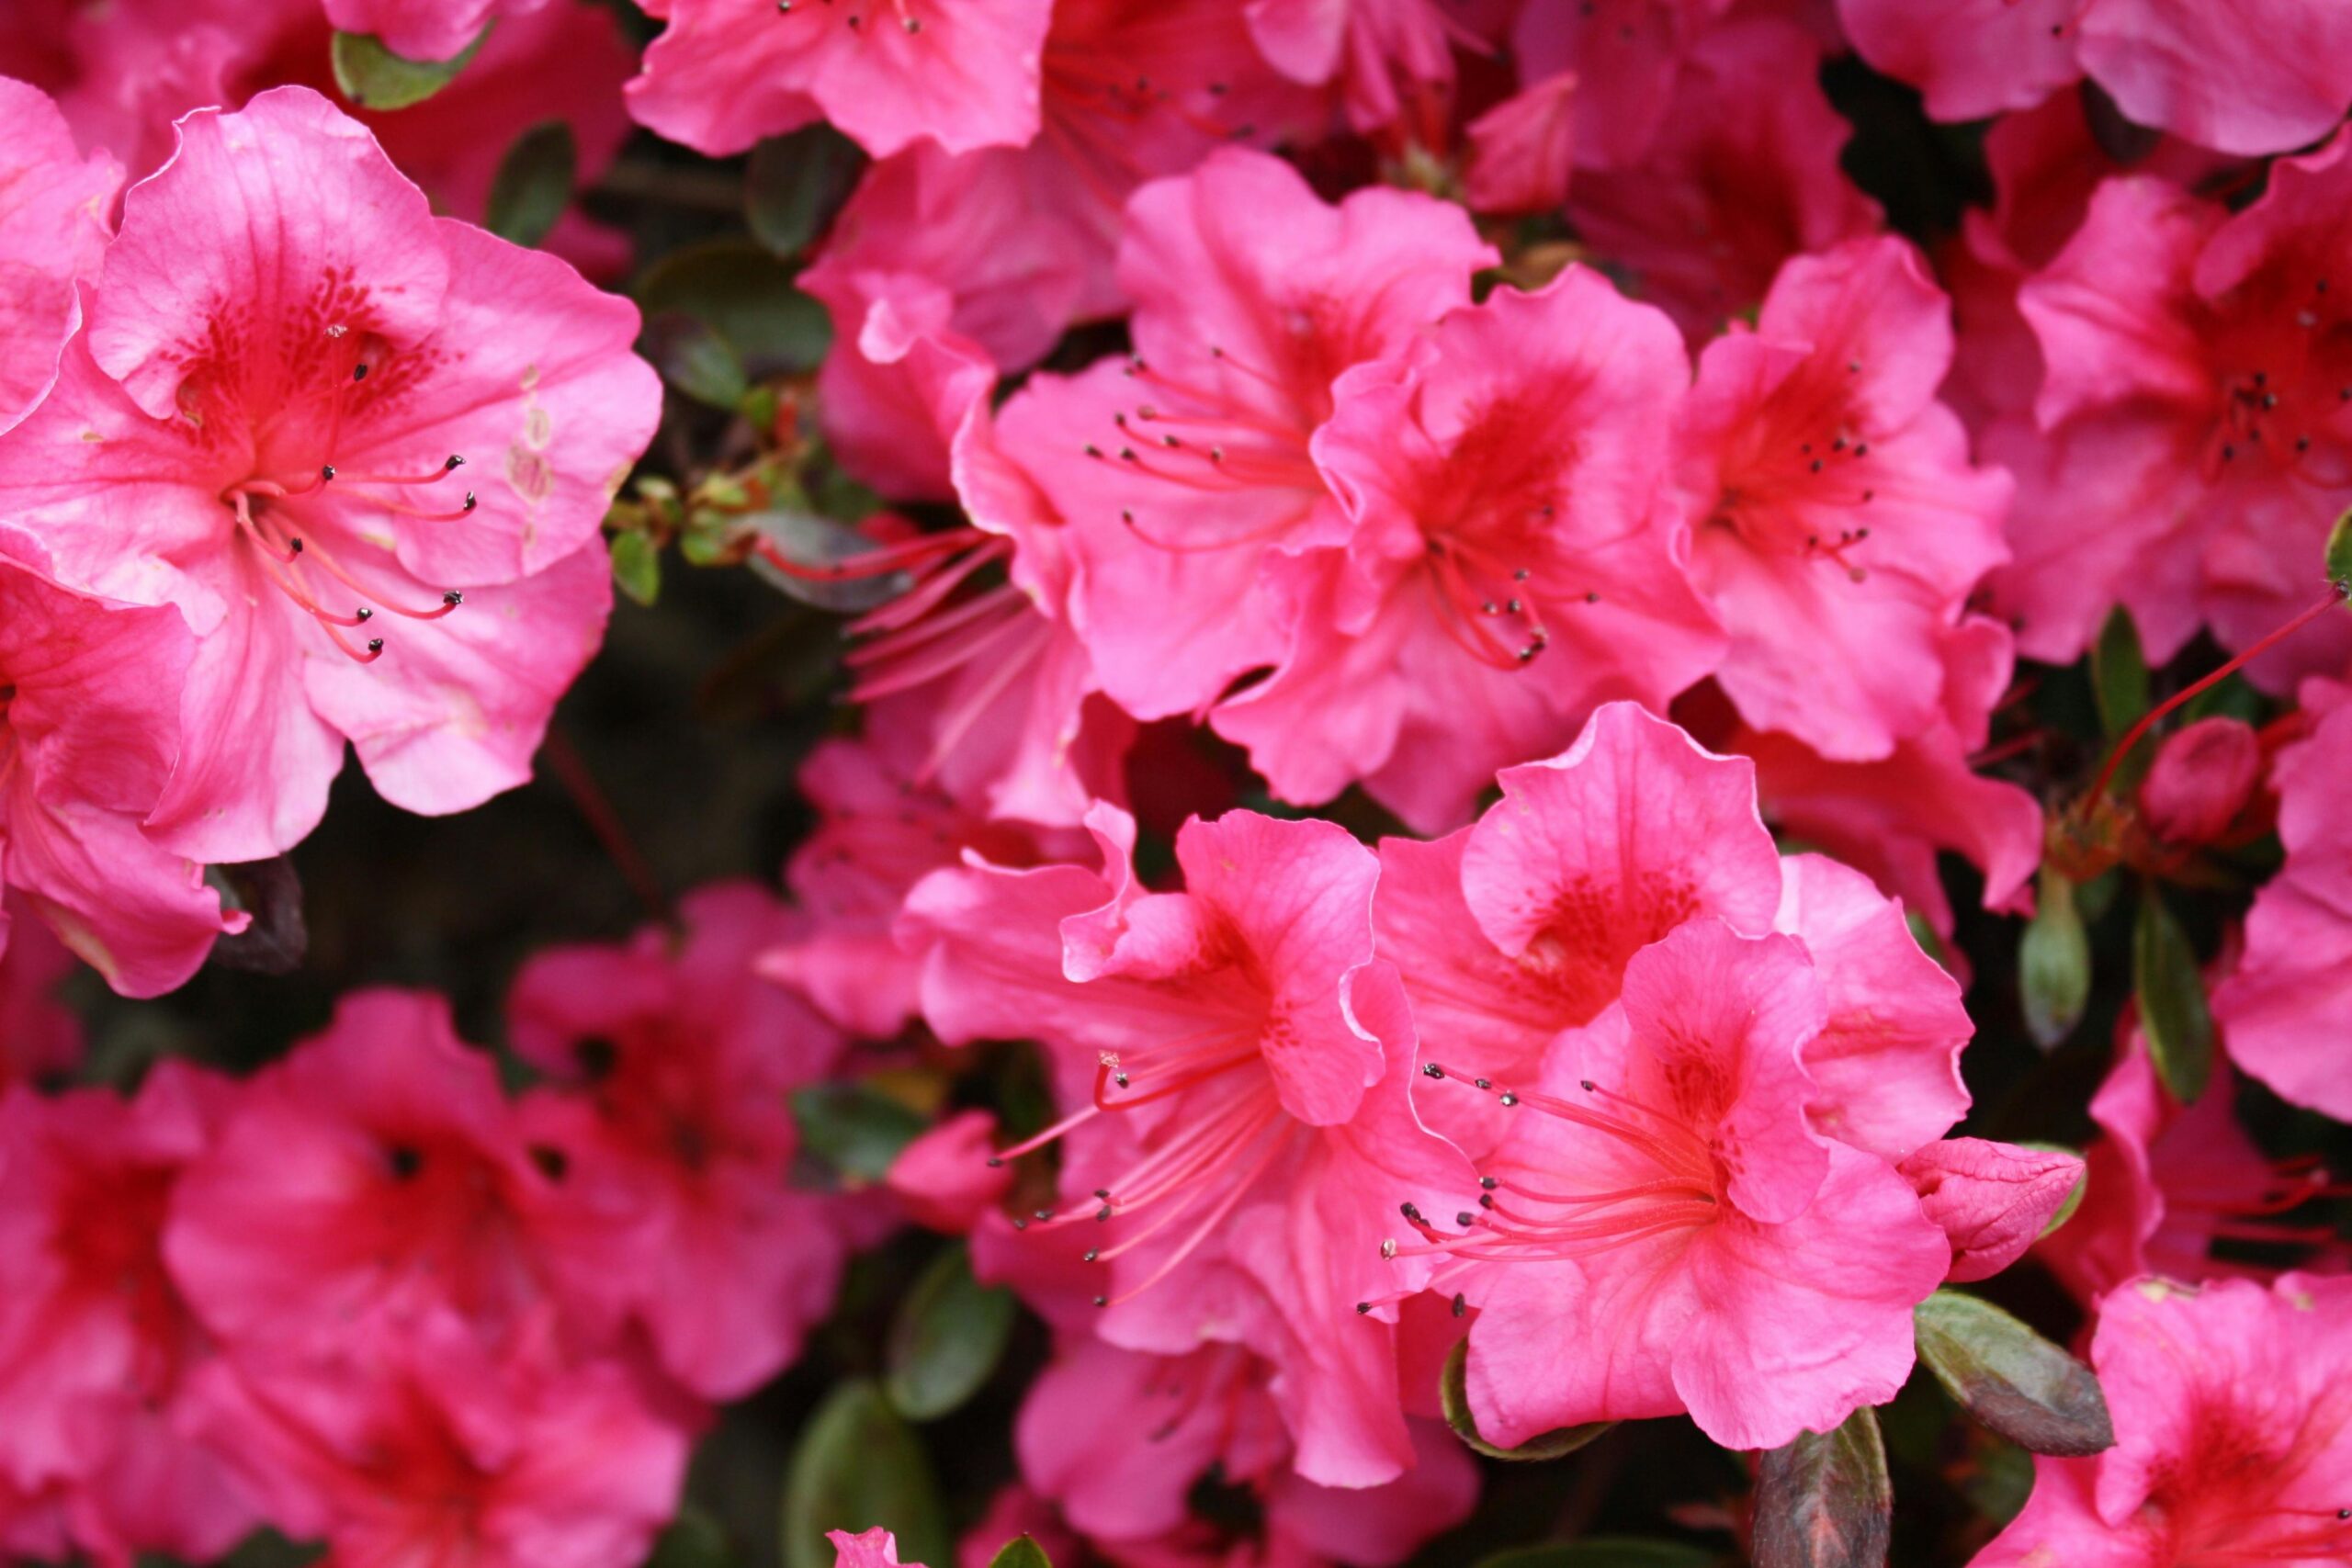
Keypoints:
(1021, 1553)
(1824, 1500)
(816, 544)
(857, 1466)
(1605, 1552)
(2054, 963)
(534, 183)
(637, 566)
(693, 357)
(373, 77)
(2010, 1378)
(946, 1340)
(746, 296)
(795, 183)
(2119, 673)
(2171, 991)
(2339, 550)
(853, 1129)
(694, 1539)
(1454, 1395)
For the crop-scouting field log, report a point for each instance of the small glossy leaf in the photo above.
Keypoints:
(858, 1465)
(946, 1340)
(2174, 1014)
(270, 891)
(2119, 673)
(1454, 1395)
(1021, 1551)
(853, 1129)
(637, 566)
(694, 358)
(534, 183)
(1605, 1552)
(694, 1539)
(795, 183)
(746, 296)
(2338, 557)
(2054, 963)
(373, 77)
(2010, 1378)
(817, 545)
(1824, 1500)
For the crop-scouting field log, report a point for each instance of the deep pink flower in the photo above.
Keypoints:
(424, 30)
(1181, 469)
(2282, 1010)
(1628, 56)
(2196, 442)
(728, 72)
(1991, 1200)
(1522, 150)
(2231, 1444)
(2203, 777)
(96, 1345)
(54, 206)
(1837, 525)
(684, 1060)
(1743, 176)
(949, 1178)
(1388, 57)
(1249, 1058)
(330, 326)
(2263, 76)
(899, 383)
(88, 731)
(436, 1452)
(876, 1548)
(1662, 1203)
(40, 1038)
(1512, 564)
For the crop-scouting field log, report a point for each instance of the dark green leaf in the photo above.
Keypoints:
(2339, 550)
(2054, 963)
(1825, 1501)
(2119, 673)
(858, 1466)
(1605, 1552)
(1454, 1395)
(694, 358)
(2010, 1378)
(1021, 1553)
(534, 183)
(2173, 1010)
(637, 566)
(816, 544)
(853, 1129)
(746, 296)
(373, 77)
(797, 183)
(948, 1336)
(693, 1540)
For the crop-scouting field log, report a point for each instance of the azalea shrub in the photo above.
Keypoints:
(1234, 784)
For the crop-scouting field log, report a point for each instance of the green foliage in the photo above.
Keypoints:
(948, 1336)
(858, 1465)
(2010, 1378)
(795, 183)
(853, 1128)
(1825, 1501)
(746, 297)
(373, 77)
(2174, 1014)
(2054, 963)
(637, 566)
(2119, 673)
(534, 183)
(1021, 1553)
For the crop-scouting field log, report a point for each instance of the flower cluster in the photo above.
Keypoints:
(1527, 743)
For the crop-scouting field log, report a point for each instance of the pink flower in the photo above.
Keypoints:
(1744, 176)
(262, 425)
(899, 383)
(1246, 1058)
(40, 1038)
(2282, 1008)
(370, 1180)
(1627, 54)
(1992, 1200)
(54, 206)
(88, 732)
(876, 1548)
(1387, 55)
(1521, 149)
(2230, 1444)
(1512, 564)
(674, 1064)
(728, 72)
(2262, 77)
(948, 1179)
(1185, 469)
(424, 30)
(437, 1452)
(1661, 1204)
(2203, 777)
(2197, 435)
(1837, 525)
(96, 1345)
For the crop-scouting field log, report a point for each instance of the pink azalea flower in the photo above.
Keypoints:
(88, 732)
(1628, 55)
(40, 1038)
(2282, 1008)
(2231, 1445)
(949, 1178)
(96, 1345)
(53, 206)
(1662, 1203)
(2196, 434)
(424, 30)
(1183, 468)
(674, 1064)
(1991, 1200)
(263, 425)
(728, 72)
(2203, 777)
(1521, 149)
(440, 1453)
(1388, 56)
(1744, 176)
(899, 383)
(370, 1180)
(1248, 1058)
(876, 1548)
(1837, 525)
(2266, 76)
(1512, 564)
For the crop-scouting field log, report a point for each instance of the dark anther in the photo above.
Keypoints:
(1103, 1192)
(1364, 1306)
(1409, 1211)
(1482, 1083)
(553, 1163)
(1044, 1215)
(454, 463)
(1509, 1098)
(364, 612)
(1091, 450)
(1587, 1085)
(1090, 1255)
(1486, 1199)
(375, 645)
(1101, 1300)
(1019, 1224)
(452, 598)
(1816, 464)
(1488, 1182)
(294, 545)
(1466, 1219)
(359, 372)
(2228, 451)
(405, 1161)
(1521, 575)
(1460, 1304)
(326, 473)
(1861, 448)
(469, 501)
(1119, 1079)
(1432, 1070)
(995, 1163)
(1103, 1212)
